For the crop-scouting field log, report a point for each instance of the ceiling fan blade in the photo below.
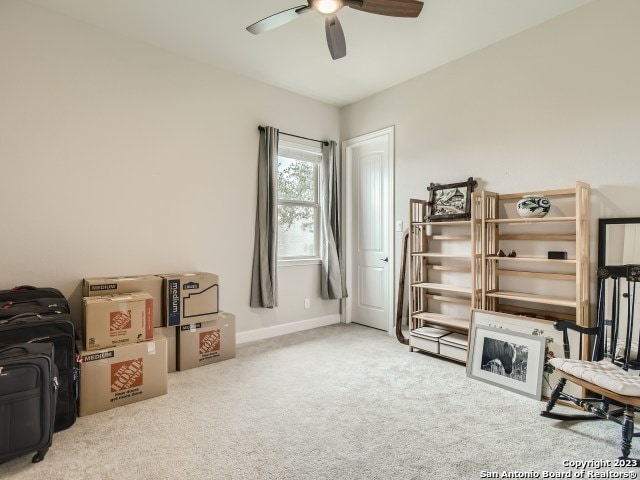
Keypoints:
(335, 37)
(391, 8)
(277, 19)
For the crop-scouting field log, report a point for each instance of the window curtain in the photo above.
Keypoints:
(264, 285)
(332, 278)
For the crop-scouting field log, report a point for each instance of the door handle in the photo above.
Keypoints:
(385, 259)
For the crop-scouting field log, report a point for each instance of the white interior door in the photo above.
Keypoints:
(369, 219)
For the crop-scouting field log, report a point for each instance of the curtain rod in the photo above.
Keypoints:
(323, 142)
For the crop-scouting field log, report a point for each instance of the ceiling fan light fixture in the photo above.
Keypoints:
(333, 29)
(327, 6)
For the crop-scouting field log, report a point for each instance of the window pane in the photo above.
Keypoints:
(296, 231)
(296, 180)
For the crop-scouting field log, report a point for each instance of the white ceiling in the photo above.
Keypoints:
(381, 51)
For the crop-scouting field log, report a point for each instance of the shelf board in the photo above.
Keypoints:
(549, 237)
(443, 287)
(450, 237)
(531, 259)
(531, 220)
(529, 297)
(544, 193)
(536, 312)
(441, 255)
(449, 268)
(545, 275)
(440, 320)
(447, 223)
(444, 298)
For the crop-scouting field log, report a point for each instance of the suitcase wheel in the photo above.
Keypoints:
(39, 456)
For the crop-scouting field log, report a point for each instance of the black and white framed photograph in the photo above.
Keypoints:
(554, 346)
(450, 202)
(507, 359)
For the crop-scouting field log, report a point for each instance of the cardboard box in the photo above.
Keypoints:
(190, 298)
(208, 342)
(171, 334)
(152, 284)
(113, 320)
(119, 376)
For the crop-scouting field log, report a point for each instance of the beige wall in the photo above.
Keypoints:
(119, 158)
(540, 110)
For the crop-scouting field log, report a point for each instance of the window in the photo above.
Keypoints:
(298, 207)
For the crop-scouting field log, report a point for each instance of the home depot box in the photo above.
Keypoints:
(190, 298)
(170, 333)
(119, 376)
(113, 320)
(207, 342)
(152, 284)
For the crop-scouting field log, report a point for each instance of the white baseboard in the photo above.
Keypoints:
(278, 330)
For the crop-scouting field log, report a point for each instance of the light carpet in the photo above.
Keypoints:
(337, 402)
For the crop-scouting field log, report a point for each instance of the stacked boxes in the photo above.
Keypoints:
(190, 298)
(139, 329)
(121, 362)
(119, 376)
(206, 335)
(169, 333)
(203, 343)
(151, 284)
(113, 320)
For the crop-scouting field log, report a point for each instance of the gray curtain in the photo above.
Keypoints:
(264, 285)
(332, 279)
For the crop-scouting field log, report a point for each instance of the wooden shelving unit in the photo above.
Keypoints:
(530, 283)
(444, 268)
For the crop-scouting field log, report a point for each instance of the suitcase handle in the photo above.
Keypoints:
(18, 317)
(13, 347)
(23, 287)
(11, 303)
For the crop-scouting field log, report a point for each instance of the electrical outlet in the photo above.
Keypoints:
(307, 303)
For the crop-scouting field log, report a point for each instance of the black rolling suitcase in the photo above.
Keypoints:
(28, 292)
(55, 328)
(11, 308)
(28, 391)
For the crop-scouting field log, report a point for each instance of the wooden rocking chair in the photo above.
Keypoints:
(607, 374)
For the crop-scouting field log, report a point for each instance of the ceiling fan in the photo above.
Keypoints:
(333, 29)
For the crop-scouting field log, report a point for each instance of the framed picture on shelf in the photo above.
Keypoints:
(507, 359)
(450, 202)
